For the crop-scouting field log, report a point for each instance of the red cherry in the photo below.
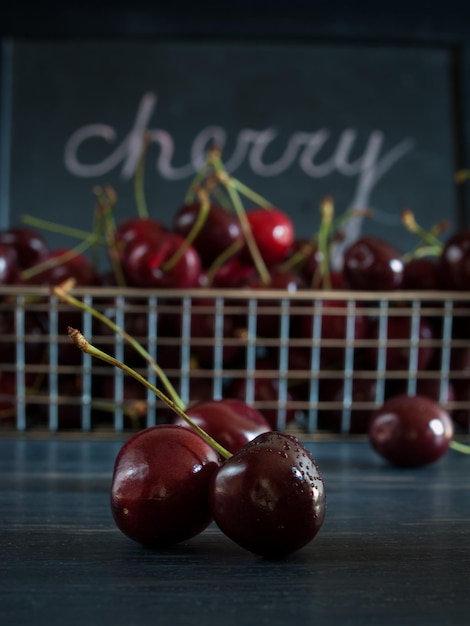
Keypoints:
(220, 231)
(8, 263)
(454, 262)
(135, 229)
(269, 497)
(411, 431)
(144, 263)
(373, 264)
(160, 485)
(273, 232)
(229, 421)
(78, 267)
(29, 245)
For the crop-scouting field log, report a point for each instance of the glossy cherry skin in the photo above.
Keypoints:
(273, 232)
(160, 485)
(79, 267)
(421, 274)
(135, 229)
(29, 245)
(144, 263)
(411, 431)
(230, 423)
(8, 262)
(220, 230)
(269, 497)
(454, 262)
(373, 264)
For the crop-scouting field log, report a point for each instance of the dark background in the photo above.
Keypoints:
(401, 24)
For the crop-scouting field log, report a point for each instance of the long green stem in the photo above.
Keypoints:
(139, 179)
(327, 213)
(194, 232)
(58, 260)
(80, 341)
(61, 292)
(52, 227)
(412, 225)
(459, 447)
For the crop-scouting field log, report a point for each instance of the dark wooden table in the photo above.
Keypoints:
(394, 549)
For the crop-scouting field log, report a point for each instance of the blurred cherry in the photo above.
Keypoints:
(150, 262)
(30, 246)
(220, 231)
(273, 232)
(373, 264)
(230, 422)
(411, 430)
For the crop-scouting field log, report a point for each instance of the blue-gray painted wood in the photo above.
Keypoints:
(394, 549)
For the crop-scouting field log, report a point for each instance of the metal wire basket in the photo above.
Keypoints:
(318, 361)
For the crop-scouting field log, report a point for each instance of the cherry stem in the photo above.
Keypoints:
(348, 215)
(52, 227)
(323, 270)
(105, 209)
(62, 292)
(80, 341)
(58, 260)
(194, 232)
(139, 179)
(220, 261)
(412, 225)
(298, 257)
(258, 260)
(459, 447)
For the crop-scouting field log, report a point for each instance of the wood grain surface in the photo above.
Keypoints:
(394, 548)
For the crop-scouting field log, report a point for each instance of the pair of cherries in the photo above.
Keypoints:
(169, 483)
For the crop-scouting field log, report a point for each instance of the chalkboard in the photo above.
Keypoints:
(372, 125)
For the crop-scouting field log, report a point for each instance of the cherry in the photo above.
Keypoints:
(411, 430)
(373, 264)
(60, 265)
(160, 485)
(421, 273)
(150, 262)
(8, 263)
(269, 497)
(221, 230)
(231, 422)
(273, 232)
(233, 273)
(454, 262)
(134, 229)
(29, 245)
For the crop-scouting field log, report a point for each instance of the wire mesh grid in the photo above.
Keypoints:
(314, 361)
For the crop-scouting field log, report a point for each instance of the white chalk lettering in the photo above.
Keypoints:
(250, 146)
